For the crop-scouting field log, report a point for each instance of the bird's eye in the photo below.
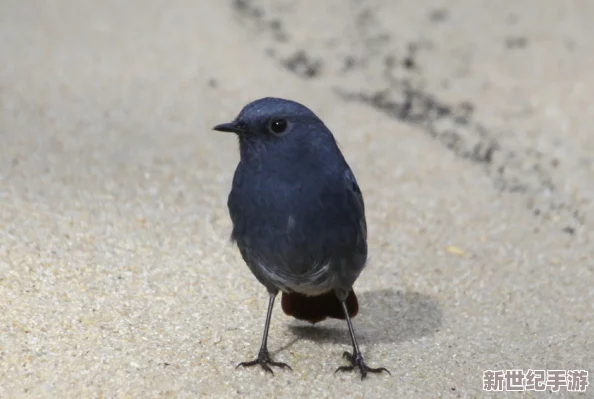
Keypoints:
(278, 126)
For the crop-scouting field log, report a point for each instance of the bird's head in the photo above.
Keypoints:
(274, 123)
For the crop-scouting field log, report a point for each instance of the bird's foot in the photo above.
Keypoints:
(265, 362)
(356, 360)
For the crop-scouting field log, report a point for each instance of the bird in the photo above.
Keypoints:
(298, 218)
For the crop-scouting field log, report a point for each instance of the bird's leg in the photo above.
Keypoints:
(356, 358)
(264, 359)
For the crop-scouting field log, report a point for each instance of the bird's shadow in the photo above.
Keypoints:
(385, 316)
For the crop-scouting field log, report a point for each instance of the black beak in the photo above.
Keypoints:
(227, 127)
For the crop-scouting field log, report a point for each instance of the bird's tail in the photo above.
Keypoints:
(317, 308)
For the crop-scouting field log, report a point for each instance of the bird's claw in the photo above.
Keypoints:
(265, 362)
(356, 360)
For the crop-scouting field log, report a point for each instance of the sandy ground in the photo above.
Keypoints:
(467, 123)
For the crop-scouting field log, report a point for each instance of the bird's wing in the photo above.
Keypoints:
(355, 193)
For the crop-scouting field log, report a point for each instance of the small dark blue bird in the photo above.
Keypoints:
(298, 217)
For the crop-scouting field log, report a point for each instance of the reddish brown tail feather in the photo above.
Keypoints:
(317, 308)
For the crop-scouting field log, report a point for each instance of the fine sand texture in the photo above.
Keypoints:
(467, 123)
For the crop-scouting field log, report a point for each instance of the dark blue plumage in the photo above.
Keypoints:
(298, 215)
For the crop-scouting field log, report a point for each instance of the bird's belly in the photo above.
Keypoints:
(296, 246)
(315, 281)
